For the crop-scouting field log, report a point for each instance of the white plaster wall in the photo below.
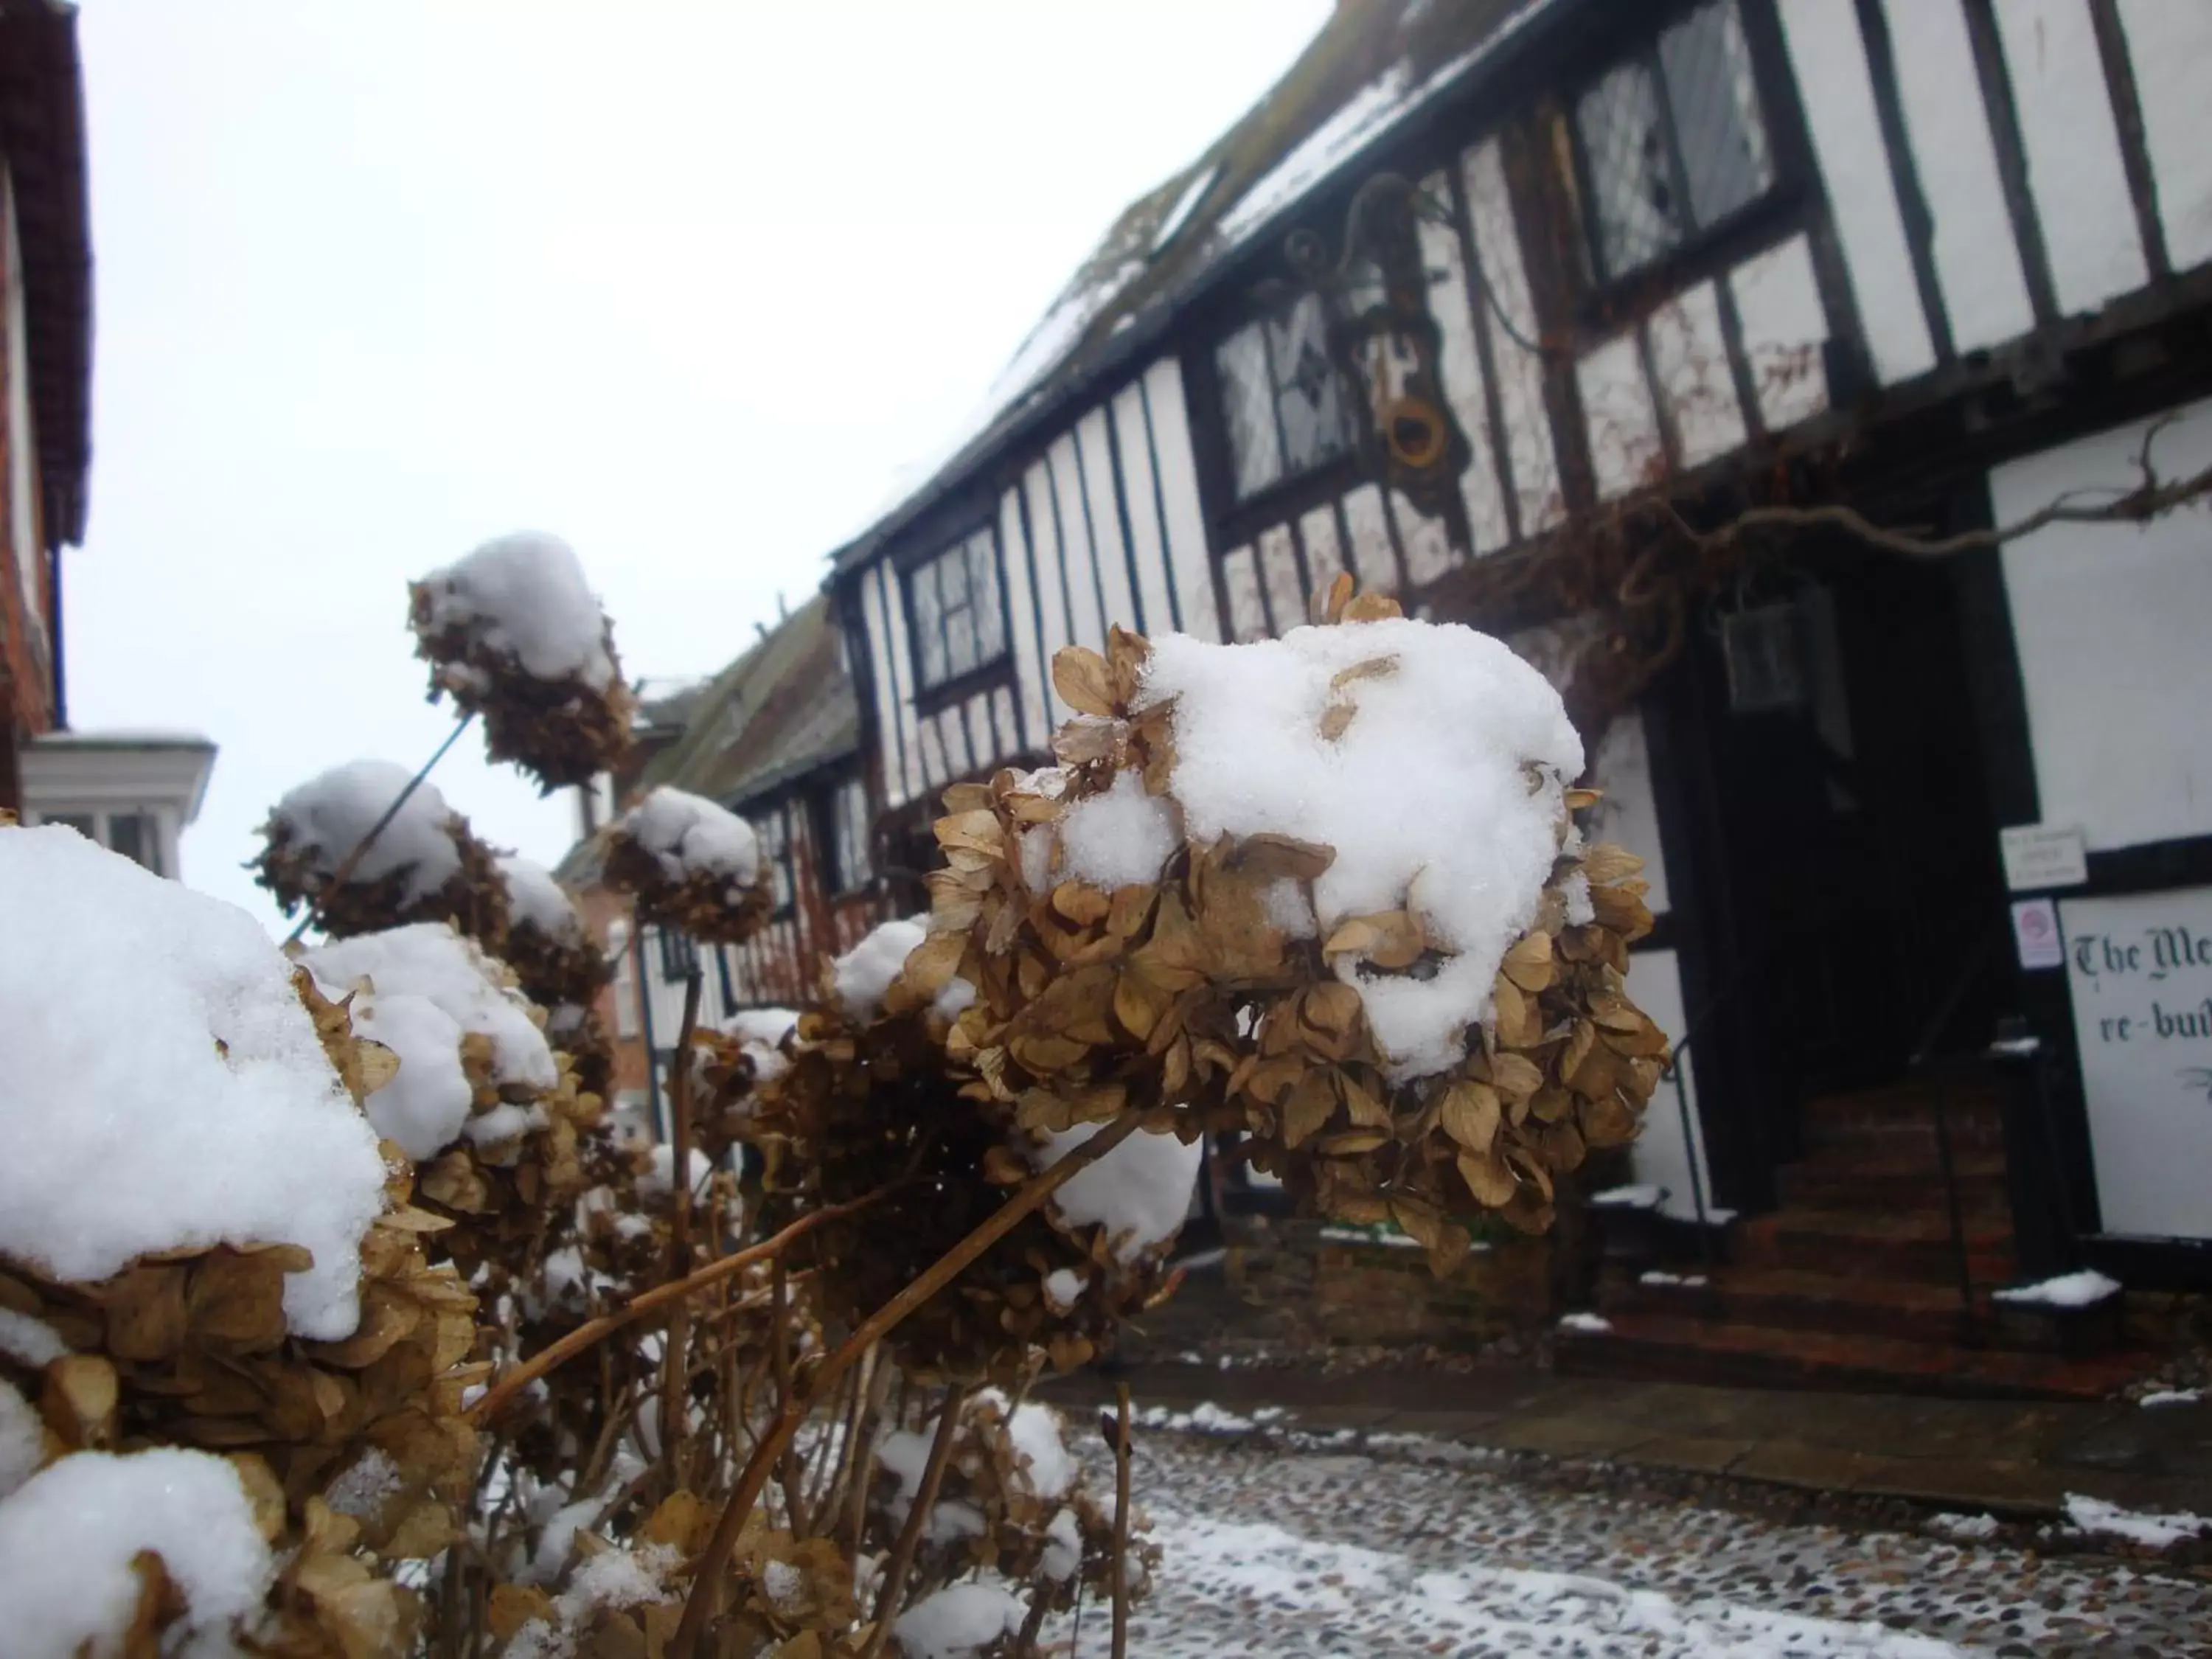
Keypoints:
(2110, 623)
(1977, 261)
(1240, 580)
(1324, 557)
(1373, 560)
(1690, 355)
(2170, 48)
(1629, 814)
(1827, 55)
(1455, 304)
(2074, 173)
(1021, 608)
(1624, 425)
(1103, 507)
(1510, 321)
(1778, 302)
(1183, 518)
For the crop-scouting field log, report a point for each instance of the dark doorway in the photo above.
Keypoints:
(1858, 845)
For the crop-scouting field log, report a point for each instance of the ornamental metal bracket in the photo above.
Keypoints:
(1384, 342)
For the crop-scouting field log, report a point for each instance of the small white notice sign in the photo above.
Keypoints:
(2035, 933)
(2037, 856)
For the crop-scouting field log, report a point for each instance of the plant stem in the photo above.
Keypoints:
(917, 1518)
(584, 1336)
(1120, 1520)
(941, 1273)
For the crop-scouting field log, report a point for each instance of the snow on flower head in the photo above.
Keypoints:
(161, 1085)
(328, 815)
(69, 1534)
(420, 990)
(524, 594)
(1432, 759)
(534, 897)
(863, 973)
(690, 834)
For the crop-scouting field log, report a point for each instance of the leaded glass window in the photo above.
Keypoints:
(775, 837)
(1282, 400)
(959, 624)
(1673, 141)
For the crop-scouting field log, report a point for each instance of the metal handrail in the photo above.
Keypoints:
(1672, 1072)
(1921, 1061)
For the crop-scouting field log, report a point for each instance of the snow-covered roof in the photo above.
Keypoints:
(1376, 68)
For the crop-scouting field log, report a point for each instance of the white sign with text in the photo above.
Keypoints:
(2037, 856)
(2140, 969)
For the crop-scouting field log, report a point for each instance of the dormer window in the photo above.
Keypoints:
(1673, 141)
(1282, 400)
(959, 621)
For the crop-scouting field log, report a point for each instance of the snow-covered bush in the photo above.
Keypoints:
(513, 632)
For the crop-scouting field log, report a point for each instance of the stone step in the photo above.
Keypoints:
(1652, 1347)
(1781, 1300)
(1914, 1245)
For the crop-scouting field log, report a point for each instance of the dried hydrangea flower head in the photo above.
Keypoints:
(690, 865)
(424, 864)
(1324, 891)
(548, 946)
(491, 1112)
(513, 632)
(868, 1100)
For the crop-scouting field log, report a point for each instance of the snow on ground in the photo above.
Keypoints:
(2083, 1289)
(1308, 1551)
(2094, 1515)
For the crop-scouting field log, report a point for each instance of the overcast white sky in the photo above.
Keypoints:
(692, 285)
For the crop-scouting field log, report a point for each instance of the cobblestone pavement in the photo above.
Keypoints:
(1316, 1552)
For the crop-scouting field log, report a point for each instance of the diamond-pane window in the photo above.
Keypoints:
(959, 624)
(773, 835)
(1282, 400)
(1673, 141)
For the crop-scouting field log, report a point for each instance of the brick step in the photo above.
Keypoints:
(1904, 1141)
(1781, 1300)
(1839, 1181)
(1969, 1095)
(1913, 1245)
(1655, 1347)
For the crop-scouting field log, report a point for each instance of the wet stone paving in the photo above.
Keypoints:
(1315, 1550)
